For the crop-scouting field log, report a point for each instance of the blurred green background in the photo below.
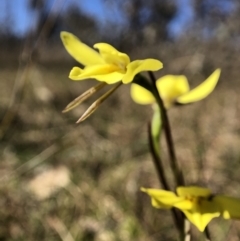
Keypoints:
(62, 181)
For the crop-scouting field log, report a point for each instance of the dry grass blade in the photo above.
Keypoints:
(61, 229)
(83, 97)
(32, 163)
(97, 103)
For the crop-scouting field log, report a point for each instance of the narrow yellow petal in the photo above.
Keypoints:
(110, 78)
(230, 206)
(171, 87)
(193, 191)
(112, 55)
(157, 192)
(158, 204)
(184, 204)
(141, 95)
(105, 48)
(162, 198)
(80, 51)
(75, 72)
(92, 71)
(99, 69)
(201, 91)
(138, 66)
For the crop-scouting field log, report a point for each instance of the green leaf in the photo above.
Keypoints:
(156, 125)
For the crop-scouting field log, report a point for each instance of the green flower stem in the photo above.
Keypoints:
(168, 134)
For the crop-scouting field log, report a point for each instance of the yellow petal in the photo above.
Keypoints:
(171, 87)
(80, 51)
(110, 78)
(200, 220)
(201, 91)
(203, 210)
(158, 192)
(162, 198)
(141, 95)
(138, 66)
(75, 72)
(112, 55)
(161, 205)
(106, 48)
(193, 191)
(230, 206)
(184, 204)
(92, 71)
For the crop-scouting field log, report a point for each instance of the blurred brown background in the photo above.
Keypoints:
(62, 181)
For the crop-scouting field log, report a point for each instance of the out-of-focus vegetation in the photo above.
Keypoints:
(62, 181)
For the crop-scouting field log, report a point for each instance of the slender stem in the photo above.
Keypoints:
(181, 222)
(168, 134)
(207, 234)
(161, 176)
(173, 160)
(157, 160)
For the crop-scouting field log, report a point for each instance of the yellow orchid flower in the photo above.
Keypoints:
(198, 204)
(108, 65)
(175, 89)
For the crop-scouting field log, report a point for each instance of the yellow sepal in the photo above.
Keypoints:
(80, 51)
(141, 95)
(201, 91)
